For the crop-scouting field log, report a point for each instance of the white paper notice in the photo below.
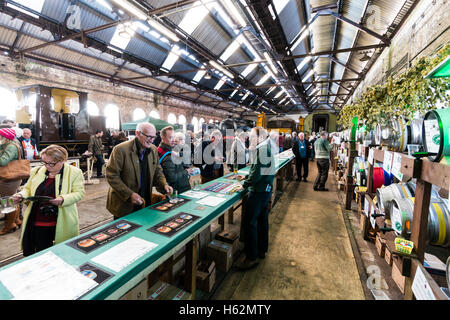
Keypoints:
(46, 277)
(211, 201)
(421, 288)
(366, 207)
(370, 157)
(124, 254)
(397, 166)
(387, 161)
(432, 132)
(194, 194)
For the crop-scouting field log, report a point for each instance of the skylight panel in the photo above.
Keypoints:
(263, 79)
(199, 75)
(193, 18)
(232, 94)
(279, 94)
(230, 50)
(279, 5)
(220, 83)
(35, 5)
(122, 36)
(249, 69)
(171, 58)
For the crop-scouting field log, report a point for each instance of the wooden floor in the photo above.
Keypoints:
(310, 255)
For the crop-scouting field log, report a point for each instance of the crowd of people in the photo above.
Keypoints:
(162, 159)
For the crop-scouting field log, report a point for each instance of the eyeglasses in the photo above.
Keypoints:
(148, 137)
(50, 164)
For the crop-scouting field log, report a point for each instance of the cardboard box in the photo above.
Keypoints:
(398, 278)
(206, 275)
(221, 253)
(380, 244)
(214, 228)
(433, 265)
(231, 237)
(163, 291)
(139, 292)
(388, 252)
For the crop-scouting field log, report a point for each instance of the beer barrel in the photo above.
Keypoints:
(438, 228)
(435, 133)
(395, 191)
(394, 135)
(415, 131)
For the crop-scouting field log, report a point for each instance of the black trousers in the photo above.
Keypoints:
(99, 164)
(42, 238)
(323, 165)
(256, 224)
(299, 163)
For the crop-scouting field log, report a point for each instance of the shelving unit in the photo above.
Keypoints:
(427, 174)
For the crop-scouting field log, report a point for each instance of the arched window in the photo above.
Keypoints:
(154, 114)
(200, 123)
(195, 123)
(172, 119)
(138, 114)
(182, 121)
(211, 121)
(112, 116)
(92, 108)
(9, 104)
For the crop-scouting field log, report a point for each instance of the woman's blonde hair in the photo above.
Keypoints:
(56, 152)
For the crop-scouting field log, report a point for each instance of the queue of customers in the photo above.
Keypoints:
(137, 165)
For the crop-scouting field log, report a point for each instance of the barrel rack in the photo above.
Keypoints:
(427, 174)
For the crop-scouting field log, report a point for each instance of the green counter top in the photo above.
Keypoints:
(127, 278)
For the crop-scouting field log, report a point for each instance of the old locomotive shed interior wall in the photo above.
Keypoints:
(102, 92)
(424, 32)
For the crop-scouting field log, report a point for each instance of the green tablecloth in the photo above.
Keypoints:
(127, 278)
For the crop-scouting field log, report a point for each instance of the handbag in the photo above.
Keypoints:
(15, 169)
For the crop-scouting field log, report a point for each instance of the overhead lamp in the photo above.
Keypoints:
(127, 6)
(220, 68)
(269, 60)
(365, 58)
(169, 34)
(207, 76)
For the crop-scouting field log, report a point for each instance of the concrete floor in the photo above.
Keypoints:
(310, 255)
(315, 249)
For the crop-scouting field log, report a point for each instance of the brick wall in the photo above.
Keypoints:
(102, 92)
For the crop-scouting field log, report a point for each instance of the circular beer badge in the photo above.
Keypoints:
(123, 226)
(164, 229)
(89, 273)
(86, 243)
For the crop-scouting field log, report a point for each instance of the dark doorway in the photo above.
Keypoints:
(320, 122)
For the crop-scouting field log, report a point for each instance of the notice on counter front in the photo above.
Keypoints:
(420, 287)
(397, 166)
(387, 161)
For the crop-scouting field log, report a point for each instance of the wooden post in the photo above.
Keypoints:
(231, 215)
(222, 221)
(191, 267)
(419, 227)
(349, 180)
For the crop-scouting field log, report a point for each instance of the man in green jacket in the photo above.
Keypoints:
(132, 171)
(322, 150)
(259, 183)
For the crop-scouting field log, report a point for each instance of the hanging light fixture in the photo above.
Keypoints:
(365, 58)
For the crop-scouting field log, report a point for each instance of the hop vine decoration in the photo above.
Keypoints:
(404, 96)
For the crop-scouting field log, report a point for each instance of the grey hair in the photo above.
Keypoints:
(142, 125)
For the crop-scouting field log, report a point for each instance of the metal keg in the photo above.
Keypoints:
(395, 191)
(436, 133)
(394, 135)
(415, 131)
(434, 193)
(438, 228)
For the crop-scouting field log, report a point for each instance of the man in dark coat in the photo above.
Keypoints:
(302, 151)
(176, 174)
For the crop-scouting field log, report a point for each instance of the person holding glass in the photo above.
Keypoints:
(51, 216)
